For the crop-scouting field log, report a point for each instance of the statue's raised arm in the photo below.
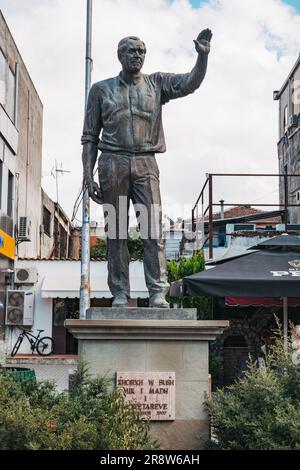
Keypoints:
(202, 46)
(178, 85)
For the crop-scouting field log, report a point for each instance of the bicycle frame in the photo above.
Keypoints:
(29, 335)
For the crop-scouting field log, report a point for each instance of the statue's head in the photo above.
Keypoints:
(131, 54)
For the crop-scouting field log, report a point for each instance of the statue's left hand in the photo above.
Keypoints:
(202, 43)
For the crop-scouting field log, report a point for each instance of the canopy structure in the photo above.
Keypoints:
(281, 241)
(62, 280)
(258, 274)
(272, 270)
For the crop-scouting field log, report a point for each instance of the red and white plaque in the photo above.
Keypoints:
(153, 393)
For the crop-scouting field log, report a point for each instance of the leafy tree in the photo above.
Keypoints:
(262, 409)
(36, 417)
(99, 249)
(186, 267)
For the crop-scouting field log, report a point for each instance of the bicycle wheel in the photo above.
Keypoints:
(16, 347)
(45, 346)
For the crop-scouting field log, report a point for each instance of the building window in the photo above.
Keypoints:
(10, 192)
(64, 309)
(47, 221)
(2, 79)
(56, 238)
(63, 243)
(285, 119)
(11, 95)
(7, 87)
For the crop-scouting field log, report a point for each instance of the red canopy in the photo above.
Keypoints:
(260, 301)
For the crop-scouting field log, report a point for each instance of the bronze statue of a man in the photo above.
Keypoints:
(127, 109)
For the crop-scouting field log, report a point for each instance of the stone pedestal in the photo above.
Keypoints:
(155, 340)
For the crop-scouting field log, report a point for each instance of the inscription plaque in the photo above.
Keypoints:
(153, 393)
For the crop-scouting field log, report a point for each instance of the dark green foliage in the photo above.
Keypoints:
(262, 409)
(99, 249)
(135, 248)
(213, 366)
(35, 417)
(186, 267)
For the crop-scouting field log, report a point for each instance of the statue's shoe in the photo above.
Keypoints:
(158, 300)
(120, 300)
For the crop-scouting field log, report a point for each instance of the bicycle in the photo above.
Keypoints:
(44, 346)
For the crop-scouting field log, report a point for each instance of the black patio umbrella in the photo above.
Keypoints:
(270, 269)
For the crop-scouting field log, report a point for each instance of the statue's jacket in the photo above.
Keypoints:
(130, 114)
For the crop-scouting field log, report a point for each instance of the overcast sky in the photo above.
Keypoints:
(229, 125)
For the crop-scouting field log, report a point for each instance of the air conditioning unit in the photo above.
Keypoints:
(24, 231)
(293, 120)
(19, 308)
(26, 276)
(93, 224)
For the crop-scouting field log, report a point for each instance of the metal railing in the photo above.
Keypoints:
(209, 186)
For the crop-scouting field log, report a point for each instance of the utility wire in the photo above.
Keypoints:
(262, 197)
(79, 200)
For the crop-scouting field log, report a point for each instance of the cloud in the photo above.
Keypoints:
(228, 125)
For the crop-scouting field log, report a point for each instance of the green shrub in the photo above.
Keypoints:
(99, 249)
(262, 409)
(186, 267)
(36, 417)
(135, 248)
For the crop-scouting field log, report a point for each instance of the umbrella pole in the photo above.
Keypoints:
(285, 323)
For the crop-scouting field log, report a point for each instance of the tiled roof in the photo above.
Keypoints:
(239, 211)
(243, 211)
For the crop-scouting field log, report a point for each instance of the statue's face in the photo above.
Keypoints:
(133, 56)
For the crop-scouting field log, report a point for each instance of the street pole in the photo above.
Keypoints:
(85, 231)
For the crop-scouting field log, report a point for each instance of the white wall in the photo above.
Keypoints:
(42, 308)
(63, 273)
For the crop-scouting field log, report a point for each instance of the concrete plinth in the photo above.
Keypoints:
(155, 340)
